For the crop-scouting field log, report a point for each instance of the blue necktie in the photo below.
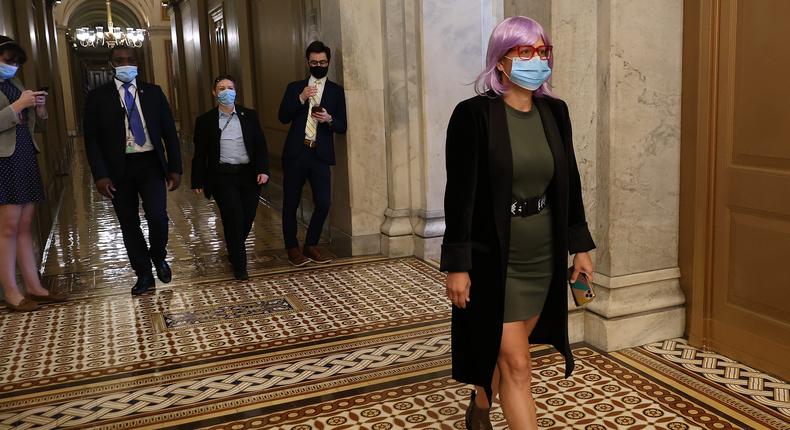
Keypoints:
(135, 122)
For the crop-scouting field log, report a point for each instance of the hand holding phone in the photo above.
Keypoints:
(41, 96)
(581, 289)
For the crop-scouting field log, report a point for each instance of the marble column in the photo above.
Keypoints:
(637, 173)
(402, 94)
(361, 38)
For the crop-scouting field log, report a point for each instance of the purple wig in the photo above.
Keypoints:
(514, 31)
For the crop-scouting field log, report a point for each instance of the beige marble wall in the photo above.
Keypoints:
(539, 10)
(575, 80)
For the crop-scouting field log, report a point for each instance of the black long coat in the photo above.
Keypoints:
(477, 235)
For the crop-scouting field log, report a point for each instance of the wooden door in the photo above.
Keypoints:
(743, 98)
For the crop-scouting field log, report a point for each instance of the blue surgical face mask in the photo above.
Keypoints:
(126, 73)
(529, 74)
(226, 97)
(7, 71)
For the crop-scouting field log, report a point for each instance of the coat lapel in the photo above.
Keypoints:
(500, 157)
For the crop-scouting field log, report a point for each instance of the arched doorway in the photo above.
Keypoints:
(89, 66)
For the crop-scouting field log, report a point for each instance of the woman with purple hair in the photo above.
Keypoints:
(513, 213)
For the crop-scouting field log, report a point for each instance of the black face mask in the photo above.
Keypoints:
(319, 72)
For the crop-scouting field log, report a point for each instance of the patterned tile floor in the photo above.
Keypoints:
(361, 344)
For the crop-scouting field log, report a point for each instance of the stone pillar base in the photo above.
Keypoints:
(397, 246)
(343, 244)
(576, 325)
(428, 248)
(612, 334)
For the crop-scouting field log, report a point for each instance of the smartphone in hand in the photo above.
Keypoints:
(581, 290)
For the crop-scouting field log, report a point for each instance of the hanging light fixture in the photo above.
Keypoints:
(89, 37)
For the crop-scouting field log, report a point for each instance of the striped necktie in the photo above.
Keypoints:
(312, 123)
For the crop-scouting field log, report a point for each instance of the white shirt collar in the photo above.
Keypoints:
(119, 84)
(221, 113)
(313, 80)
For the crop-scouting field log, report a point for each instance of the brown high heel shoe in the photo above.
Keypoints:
(26, 305)
(51, 297)
(477, 418)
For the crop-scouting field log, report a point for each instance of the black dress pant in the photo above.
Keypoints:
(143, 179)
(236, 194)
(296, 171)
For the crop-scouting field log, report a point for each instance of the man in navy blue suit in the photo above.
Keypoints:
(316, 109)
(133, 149)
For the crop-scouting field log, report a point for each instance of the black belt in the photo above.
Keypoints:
(528, 207)
(140, 154)
(232, 168)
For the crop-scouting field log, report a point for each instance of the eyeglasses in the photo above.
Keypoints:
(526, 52)
(322, 63)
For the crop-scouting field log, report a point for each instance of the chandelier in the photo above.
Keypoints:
(89, 37)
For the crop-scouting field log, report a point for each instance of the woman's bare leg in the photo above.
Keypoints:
(25, 255)
(9, 228)
(515, 367)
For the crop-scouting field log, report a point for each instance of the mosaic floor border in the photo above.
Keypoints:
(282, 381)
(604, 393)
(768, 396)
(160, 375)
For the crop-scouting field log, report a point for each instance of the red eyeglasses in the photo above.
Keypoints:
(526, 52)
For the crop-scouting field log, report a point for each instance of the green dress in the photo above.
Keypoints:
(530, 263)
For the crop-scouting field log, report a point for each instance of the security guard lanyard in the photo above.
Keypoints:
(227, 122)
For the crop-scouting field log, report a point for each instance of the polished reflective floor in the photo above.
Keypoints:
(361, 343)
(86, 255)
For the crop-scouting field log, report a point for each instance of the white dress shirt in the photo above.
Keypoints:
(131, 146)
(231, 140)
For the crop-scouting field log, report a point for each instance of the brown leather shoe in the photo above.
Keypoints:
(26, 305)
(51, 298)
(313, 254)
(296, 258)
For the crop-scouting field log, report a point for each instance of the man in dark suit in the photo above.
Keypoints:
(231, 163)
(134, 153)
(316, 109)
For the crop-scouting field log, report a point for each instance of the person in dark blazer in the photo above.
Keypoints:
(514, 211)
(134, 153)
(231, 164)
(316, 109)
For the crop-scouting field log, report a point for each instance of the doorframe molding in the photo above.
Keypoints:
(699, 125)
